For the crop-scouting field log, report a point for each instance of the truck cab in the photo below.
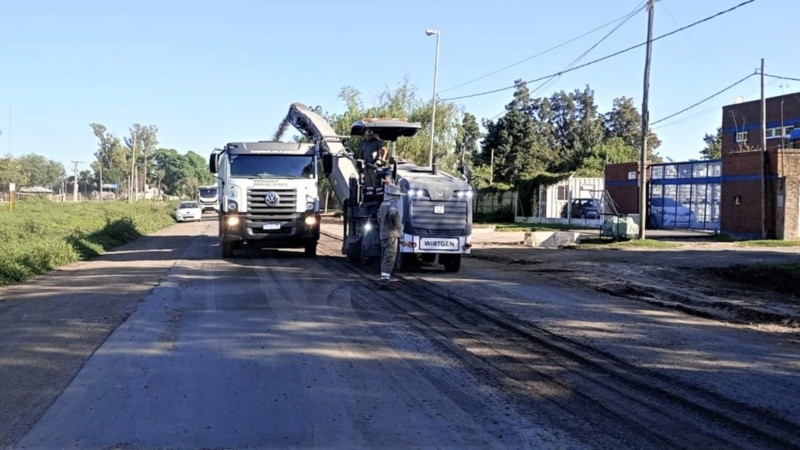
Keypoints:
(208, 198)
(268, 194)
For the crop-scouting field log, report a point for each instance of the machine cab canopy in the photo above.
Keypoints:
(386, 129)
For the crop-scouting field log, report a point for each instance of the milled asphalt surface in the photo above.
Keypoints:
(279, 352)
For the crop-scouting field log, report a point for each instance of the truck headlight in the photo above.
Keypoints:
(232, 205)
(233, 221)
(310, 220)
(367, 227)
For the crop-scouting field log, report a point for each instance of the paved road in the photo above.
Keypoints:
(278, 350)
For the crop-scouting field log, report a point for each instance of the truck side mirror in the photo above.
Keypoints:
(327, 164)
(212, 162)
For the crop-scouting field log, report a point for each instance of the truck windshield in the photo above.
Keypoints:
(273, 166)
(208, 192)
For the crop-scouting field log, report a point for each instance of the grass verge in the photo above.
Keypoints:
(40, 235)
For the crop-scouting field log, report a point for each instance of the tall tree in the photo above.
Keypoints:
(625, 122)
(86, 182)
(468, 137)
(145, 137)
(578, 127)
(402, 102)
(41, 171)
(180, 175)
(713, 148)
(11, 171)
(512, 143)
(111, 157)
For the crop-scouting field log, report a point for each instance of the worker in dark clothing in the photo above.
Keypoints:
(391, 226)
(373, 153)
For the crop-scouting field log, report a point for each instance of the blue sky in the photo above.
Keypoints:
(210, 72)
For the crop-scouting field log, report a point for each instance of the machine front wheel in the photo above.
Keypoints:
(405, 261)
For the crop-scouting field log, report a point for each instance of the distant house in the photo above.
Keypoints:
(34, 190)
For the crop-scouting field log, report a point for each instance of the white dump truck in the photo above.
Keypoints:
(208, 198)
(268, 194)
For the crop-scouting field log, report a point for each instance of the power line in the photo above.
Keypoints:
(703, 100)
(781, 78)
(493, 91)
(625, 17)
(579, 58)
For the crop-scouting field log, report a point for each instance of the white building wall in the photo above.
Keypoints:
(561, 193)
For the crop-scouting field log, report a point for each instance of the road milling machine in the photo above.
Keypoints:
(436, 206)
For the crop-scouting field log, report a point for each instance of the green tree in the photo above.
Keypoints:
(578, 128)
(625, 122)
(512, 143)
(615, 150)
(146, 139)
(110, 164)
(468, 136)
(180, 175)
(86, 182)
(713, 148)
(40, 171)
(11, 172)
(403, 103)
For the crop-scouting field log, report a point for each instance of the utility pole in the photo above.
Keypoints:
(645, 124)
(491, 168)
(764, 171)
(75, 180)
(133, 171)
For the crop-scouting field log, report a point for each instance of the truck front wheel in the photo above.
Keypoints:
(311, 249)
(227, 249)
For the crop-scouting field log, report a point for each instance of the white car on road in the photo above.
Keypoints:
(188, 211)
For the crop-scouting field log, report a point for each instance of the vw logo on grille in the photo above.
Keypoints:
(272, 198)
(439, 194)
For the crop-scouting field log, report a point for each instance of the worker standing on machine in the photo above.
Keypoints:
(373, 152)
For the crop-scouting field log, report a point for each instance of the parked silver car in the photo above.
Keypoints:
(188, 211)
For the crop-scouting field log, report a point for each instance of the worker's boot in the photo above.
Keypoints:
(383, 284)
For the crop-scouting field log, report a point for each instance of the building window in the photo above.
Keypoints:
(741, 136)
(775, 133)
(562, 193)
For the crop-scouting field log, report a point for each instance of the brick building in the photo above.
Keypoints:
(743, 193)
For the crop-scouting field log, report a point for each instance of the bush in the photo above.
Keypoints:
(504, 213)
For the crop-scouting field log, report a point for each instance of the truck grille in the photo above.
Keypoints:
(258, 210)
(452, 222)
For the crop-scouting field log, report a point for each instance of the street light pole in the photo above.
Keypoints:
(437, 33)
